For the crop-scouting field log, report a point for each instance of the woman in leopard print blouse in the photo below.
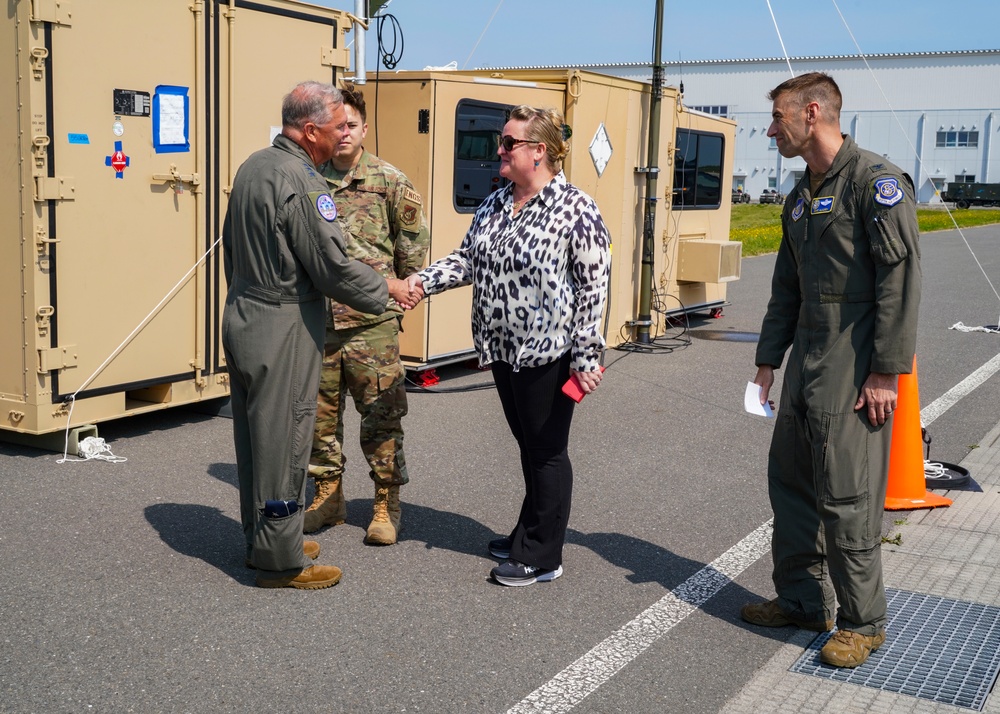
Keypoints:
(537, 256)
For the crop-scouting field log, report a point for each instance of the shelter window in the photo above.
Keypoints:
(957, 139)
(719, 110)
(477, 165)
(965, 178)
(698, 170)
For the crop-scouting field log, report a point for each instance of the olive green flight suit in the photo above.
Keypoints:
(283, 252)
(844, 296)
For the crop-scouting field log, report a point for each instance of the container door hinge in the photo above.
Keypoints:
(54, 188)
(58, 12)
(334, 57)
(54, 358)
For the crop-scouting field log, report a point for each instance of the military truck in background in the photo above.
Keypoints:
(122, 144)
(966, 195)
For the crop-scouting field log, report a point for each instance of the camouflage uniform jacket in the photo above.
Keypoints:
(384, 226)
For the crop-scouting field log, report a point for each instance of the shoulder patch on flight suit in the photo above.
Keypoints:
(324, 205)
(800, 208)
(823, 204)
(409, 210)
(887, 191)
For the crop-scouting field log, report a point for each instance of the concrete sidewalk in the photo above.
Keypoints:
(951, 553)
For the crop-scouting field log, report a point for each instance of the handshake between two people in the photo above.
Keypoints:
(407, 293)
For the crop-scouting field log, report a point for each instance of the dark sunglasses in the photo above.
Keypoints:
(509, 142)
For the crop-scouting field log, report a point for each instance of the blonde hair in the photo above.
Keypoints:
(548, 127)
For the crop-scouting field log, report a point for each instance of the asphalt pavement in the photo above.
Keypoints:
(125, 589)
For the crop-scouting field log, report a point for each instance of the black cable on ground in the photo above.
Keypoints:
(666, 343)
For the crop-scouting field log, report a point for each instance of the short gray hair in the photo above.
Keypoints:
(309, 102)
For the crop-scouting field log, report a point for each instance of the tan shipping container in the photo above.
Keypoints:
(123, 124)
(425, 123)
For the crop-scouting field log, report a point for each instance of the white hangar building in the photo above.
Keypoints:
(934, 114)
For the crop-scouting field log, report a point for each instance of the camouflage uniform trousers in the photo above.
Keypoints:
(365, 361)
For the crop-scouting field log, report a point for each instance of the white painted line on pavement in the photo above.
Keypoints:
(583, 677)
(568, 688)
(947, 400)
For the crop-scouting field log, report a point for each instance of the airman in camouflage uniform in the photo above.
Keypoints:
(384, 225)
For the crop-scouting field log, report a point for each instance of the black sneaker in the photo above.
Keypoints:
(517, 574)
(500, 548)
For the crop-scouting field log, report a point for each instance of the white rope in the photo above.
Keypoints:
(780, 41)
(966, 328)
(932, 469)
(125, 343)
(482, 34)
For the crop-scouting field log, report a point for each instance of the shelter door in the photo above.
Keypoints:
(122, 131)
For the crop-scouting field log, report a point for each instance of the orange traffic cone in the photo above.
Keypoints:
(907, 488)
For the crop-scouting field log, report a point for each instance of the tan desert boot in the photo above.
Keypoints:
(328, 507)
(315, 577)
(385, 518)
(850, 649)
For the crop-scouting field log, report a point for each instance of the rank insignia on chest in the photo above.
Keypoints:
(888, 192)
(326, 207)
(823, 204)
(800, 208)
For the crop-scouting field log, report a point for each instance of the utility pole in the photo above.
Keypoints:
(644, 319)
(360, 53)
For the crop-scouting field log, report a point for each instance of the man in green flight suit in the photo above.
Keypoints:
(844, 296)
(384, 226)
(283, 252)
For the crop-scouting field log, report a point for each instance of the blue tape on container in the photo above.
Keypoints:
(171, 120)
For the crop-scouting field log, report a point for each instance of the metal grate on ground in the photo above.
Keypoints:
(943, 650)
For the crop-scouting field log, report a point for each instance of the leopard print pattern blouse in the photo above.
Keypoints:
(539, 278)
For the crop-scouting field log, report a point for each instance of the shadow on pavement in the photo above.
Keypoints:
(649, 563)
(445, 530)
(202, 532)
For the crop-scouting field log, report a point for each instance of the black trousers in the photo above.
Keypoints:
(539, 416)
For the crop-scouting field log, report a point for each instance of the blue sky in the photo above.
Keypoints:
(542, 32)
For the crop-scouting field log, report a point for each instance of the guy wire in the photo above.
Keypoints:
(912, 147)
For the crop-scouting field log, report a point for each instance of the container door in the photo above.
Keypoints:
(273, 47)
(265, 48)
(124, 92)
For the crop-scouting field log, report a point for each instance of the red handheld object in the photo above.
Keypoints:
(572, 388)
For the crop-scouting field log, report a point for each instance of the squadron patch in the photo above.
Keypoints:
(800, 208)
(888, 192)
(409, 210)
(326, 207)
(823, 204)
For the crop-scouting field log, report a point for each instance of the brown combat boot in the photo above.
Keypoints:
(328, 507)
(385, 519)
(315, 577)
(850, 649)
(769, 614)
